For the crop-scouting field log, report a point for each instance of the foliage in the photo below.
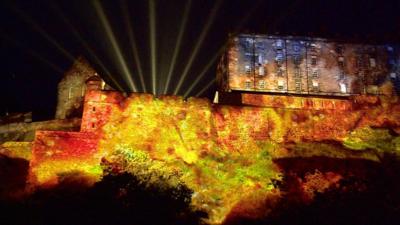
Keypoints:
(148, 172)
(218, 182)
(380, 140)
(319, 182)
(169, 143)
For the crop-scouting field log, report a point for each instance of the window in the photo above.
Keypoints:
(70, 93)
(297, 60)
(279, 57)
(261, 84)
(315, 74)
(250, 40)
(343, 88)
(341, 64)
(313, 49)
(261, 70)
(247, 84)
(279, 44)
(339, 50)
(313, 60)
(297, 73)
(315, 85)
(260, 58)
(341, 75)
(279, 72)
(247, 69)
(359, 62)
(94, 109)
(298, 85)
(372, 62)
(280, 84)
(296, 47)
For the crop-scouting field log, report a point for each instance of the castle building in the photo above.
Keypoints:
(298, 86)
(306, 66)
(71, 91)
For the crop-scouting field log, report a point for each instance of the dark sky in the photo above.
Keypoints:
(39, 38)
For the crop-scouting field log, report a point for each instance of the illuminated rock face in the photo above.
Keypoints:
(20, 150)
(62, 153)
(218, 151)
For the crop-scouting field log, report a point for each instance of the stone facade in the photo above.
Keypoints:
(307, 66)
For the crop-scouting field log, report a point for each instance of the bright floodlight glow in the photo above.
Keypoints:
(202, 36)
(112, 39)
(178, 44)
(152, 24)
(131, 36)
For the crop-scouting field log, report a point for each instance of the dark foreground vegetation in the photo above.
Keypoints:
(366, 193)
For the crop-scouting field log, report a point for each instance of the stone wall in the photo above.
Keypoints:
(170, 127)
(25, 132)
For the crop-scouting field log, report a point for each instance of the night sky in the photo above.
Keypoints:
(39, 39)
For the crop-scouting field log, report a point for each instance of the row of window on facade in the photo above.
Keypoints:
(280, 58)
(313, 63)
(315, 86)
(262, 84)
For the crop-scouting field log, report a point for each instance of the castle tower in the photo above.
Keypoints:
(72, 88)
(94, 83)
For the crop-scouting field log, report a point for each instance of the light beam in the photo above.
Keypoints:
(131, 36)
(205, 88)
(31, 52)
(42, 32)
(215, 57)
(203, 72)
(178, 44)
(196, 49)
(114, 43)
(76, 33)
(153, 58)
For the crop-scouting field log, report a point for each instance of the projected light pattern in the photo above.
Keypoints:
(64, 153)
(218, 150)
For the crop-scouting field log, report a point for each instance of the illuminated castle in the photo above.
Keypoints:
(285, 76)
(278, 98)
